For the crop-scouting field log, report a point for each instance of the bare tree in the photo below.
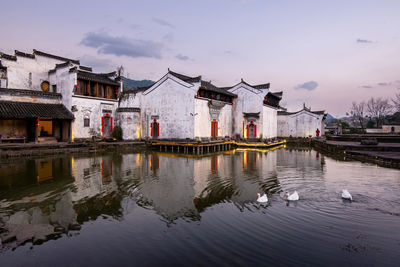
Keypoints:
(357, 114)
(378, 108)
(396, 102)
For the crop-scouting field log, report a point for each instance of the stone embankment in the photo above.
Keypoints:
(368, 149)
(32, 149)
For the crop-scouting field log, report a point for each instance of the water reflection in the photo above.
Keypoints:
(64, 191)
(47, 198)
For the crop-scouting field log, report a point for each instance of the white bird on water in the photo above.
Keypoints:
(346, 195)
(292, 197)
(262, 198)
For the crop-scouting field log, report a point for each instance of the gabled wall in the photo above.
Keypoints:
(65, 82)
(301, 124)
(172, 102)
(249, 100)
(18, 72)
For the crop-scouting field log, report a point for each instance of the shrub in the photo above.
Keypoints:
(117, 133)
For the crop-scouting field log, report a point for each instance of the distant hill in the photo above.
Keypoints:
(129, 83)
(329, 118)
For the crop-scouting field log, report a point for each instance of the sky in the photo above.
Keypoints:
(326, 54)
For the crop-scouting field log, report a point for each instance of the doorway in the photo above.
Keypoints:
(251, 130)
(155, 129)
(106, 125)
(214, 129)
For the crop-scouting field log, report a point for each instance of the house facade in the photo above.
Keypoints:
(254, 114)
(180, 107)
(88, 100)
(303, 123)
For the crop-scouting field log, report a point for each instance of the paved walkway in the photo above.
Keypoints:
(357, 144)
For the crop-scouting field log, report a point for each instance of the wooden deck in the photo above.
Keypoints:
(213, 146)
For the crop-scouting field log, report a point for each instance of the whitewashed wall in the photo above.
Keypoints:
(301, 124)
(269, 122)
(130, 123)
(384, 129)
(249, 100)
(7, 96)
(18, 71)
(173, 101)
(91, 108)
(202, 119)
(65, 82)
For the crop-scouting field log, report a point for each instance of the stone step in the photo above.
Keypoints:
(47, 140)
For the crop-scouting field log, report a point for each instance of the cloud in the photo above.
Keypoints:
(122, 46)
(363, 41)
(98, 64)
(384, 84)
(366, 86)
(163, 22)
(169, 37)
(182, 57)
(311, 85)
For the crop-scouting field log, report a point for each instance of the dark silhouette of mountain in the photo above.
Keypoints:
(129, 83)
(329, 118)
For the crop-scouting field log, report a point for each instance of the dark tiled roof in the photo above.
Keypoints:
(86, 68)
(94, 77)
(22, 54)
(276, 94)
(113, 73)
(27, 92)
(24, 110)
(61, 65)
(261, 86)
(254, 115)
(8, 57)
(210, 87)
(137, 89)
(128, 109)
(258, 86)
(185, 78)
(320, 112)
(37, 52)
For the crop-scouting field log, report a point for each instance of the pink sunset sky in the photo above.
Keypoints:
(324, 53)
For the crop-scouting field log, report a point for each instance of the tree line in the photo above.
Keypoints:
(375, 109)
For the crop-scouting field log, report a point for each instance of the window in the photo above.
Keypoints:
(54, 88)
(45, 86)
(86, 122)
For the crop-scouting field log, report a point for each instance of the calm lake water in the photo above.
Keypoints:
(168, 209)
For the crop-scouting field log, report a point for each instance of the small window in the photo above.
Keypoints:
(86, 122)
(45, 86)
(54, 88)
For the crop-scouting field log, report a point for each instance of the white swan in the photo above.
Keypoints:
(292, 197)
(262, 198)
(346, 195)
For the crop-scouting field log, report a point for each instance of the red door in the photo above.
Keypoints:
(214, 129)
(155, 129)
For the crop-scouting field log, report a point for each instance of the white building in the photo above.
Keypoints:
(179, 107)
(92, 98)
(255, 111)
(303, 123)
(386, 128)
